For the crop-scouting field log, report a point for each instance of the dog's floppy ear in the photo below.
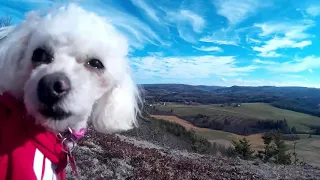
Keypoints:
(117, 109)
(13, 44)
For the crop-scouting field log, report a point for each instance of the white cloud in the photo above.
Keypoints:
(156, 54)
(264, 62)
(237, 10)
(285, 82)
(298, 65)
(189, 67)
(196, 21)
(267, 50)
(185, 33)
(209, 39)
(291, 76)
(271, 54)
(293, 30)
(210, 48)
(138, 32)
(188, 23)
(283, 35)
(223, 37)
(313, 10)
(223, 79)
(142, 31)
(147, 9)
(252, 40)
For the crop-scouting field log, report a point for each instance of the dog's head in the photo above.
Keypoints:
(70, 67)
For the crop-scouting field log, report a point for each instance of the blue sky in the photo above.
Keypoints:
(211, 42)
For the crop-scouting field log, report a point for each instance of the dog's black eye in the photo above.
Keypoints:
(40, 56)
(95, 63)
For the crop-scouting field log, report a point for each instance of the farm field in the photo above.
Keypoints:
(209, 134)
(250, 111)
(307, 148)
(220, 137)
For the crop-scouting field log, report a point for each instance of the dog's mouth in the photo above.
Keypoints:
(54, 112)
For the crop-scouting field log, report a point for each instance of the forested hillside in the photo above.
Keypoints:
(300, 99)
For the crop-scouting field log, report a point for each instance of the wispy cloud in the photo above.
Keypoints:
(137, 31)
(298, 65)
(268, 49)
(167, 38)
(235, 10)
(190, 67)
(258, 61)
(285, 82)
(147, 9)
(209, 39)
(291, 29)
(283, 35)
(223, 79)
(223, 37)
(159, 54)
(185, 21)
(313, 10)
(195, 20)
(188, 23)
(252, 40)
(209, 48)
(291, 76)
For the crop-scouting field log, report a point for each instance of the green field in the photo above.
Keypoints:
(308, 149)
(258, 111)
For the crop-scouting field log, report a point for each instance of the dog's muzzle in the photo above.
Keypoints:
(51, 89)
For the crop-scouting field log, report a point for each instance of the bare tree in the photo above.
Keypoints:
(294, 151)
(5, 21)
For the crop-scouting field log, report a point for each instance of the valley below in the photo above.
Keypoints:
(186, 132)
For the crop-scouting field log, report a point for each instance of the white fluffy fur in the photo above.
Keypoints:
(108, 99)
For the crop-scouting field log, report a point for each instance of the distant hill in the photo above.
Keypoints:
(300, 99)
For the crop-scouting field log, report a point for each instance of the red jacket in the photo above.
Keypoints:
(27, 151)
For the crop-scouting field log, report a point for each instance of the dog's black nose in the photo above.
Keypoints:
(52, 87)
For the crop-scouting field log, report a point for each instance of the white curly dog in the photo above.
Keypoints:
(70, 68)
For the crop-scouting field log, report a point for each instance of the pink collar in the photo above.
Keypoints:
(77, 135)
(72, 135)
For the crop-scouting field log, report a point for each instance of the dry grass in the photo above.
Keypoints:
(220, 137)
(211, 135)
(255, 140)
(180, 121)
